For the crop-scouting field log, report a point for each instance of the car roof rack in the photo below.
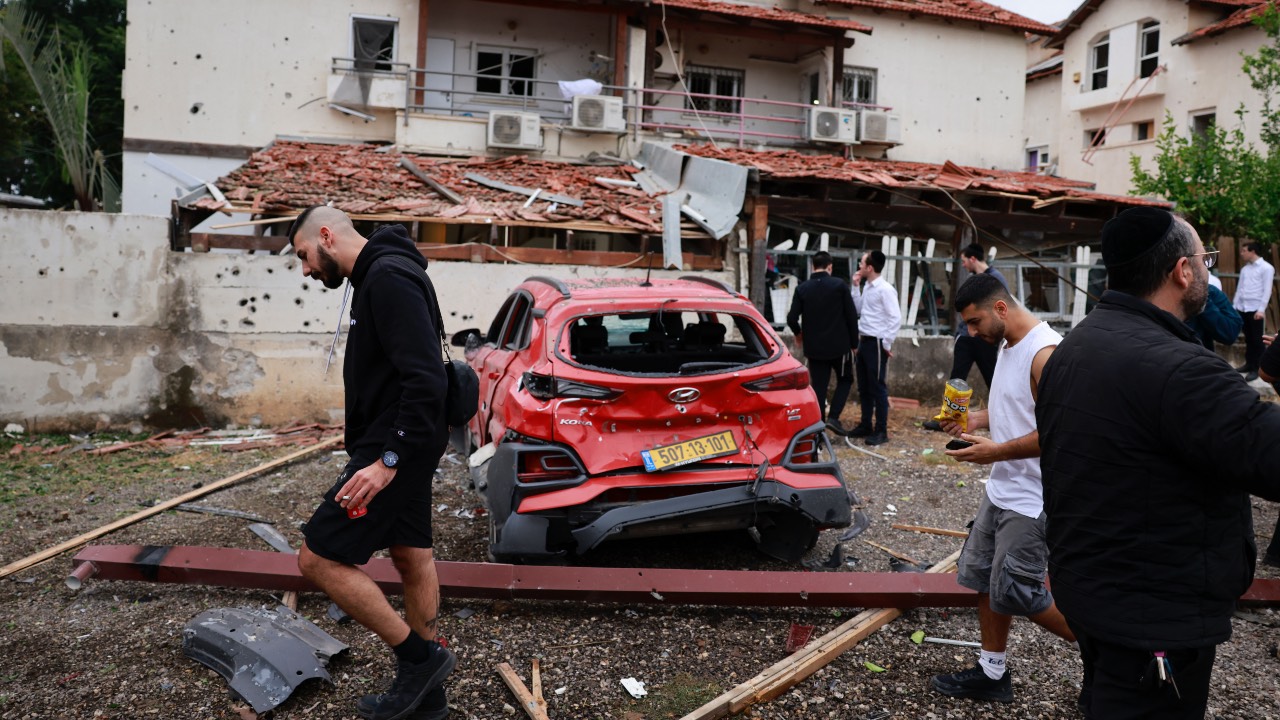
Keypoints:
(717, 284)
(557, 284)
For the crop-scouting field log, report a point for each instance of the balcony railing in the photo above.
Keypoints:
(742, 120)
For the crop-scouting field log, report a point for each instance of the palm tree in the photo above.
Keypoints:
(59, 73)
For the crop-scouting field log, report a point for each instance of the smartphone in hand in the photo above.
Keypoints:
(958, 444)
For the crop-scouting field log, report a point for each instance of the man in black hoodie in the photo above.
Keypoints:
(825, 324)
(395, 434)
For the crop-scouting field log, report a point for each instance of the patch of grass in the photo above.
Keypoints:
(683, 694)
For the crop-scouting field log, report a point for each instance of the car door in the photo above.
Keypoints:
(507, 336)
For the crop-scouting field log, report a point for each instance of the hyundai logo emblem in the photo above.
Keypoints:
(684, 395)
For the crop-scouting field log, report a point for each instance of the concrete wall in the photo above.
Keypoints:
(1203, 75)
(1043, 116)
(103, 325)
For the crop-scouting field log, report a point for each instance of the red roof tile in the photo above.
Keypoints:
(1239, 18)
(1087, 8)
(790, 164)
(969, 10)
(367, 180)
(790, 17)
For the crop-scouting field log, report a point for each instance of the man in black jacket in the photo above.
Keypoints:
(1150, 447)
(395, 434)
(826, 326)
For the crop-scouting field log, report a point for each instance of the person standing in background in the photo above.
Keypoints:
(825, 324)
(880, 318)
(1253, 294)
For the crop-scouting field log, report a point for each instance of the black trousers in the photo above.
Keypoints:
(873, 392)
(820, 370)
(1252, 339)
(970, 350)
(1120, 683)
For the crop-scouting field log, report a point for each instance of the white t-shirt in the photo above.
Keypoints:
(1015, 484)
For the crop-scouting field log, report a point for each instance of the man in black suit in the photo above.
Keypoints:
(825, 324)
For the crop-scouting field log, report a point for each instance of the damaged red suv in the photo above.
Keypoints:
(627, 408)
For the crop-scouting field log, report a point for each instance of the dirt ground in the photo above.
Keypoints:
(113, 649)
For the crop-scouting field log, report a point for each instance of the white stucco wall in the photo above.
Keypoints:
(1205, 74)
(103, 325)
(1043, 115)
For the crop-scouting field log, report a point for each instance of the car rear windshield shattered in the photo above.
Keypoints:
(671, 342)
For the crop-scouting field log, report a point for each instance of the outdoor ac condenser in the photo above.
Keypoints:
(879, 127)
(833, 125)
(598, 113)
(516, 130)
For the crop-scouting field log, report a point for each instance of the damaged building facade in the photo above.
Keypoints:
(574, 138)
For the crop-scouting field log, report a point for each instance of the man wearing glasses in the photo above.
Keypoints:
(1253, 293)
(1150, 448)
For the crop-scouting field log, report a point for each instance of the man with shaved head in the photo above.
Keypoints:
(395, 434)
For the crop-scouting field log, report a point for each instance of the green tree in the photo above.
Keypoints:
(90, 41)
(1263, 69)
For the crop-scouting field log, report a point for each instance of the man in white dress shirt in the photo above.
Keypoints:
(1253, 292)
(879, 321)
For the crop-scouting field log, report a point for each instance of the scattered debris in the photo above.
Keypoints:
(263, 654)
(917, 637)
(635, 687)
(275, 539)
(931, 530)
(532, 702)
(892, 552)
(337, 614)
(464, 613)
(14, 429)
(192, 507)
(797, 637)
(872, 666)
(944, 641)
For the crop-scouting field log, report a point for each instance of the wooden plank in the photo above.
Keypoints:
(891, 551)
(552, 256)
(499, 185)
(527, 703)
(931, 530)
(79, 540)
(786, 673)
(246, 223)
(431, 182)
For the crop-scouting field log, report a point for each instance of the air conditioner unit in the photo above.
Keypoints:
(598, 113)
(879, 127)
(666, 58)
(833, 125)
(517, 130)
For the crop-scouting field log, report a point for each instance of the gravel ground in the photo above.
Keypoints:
(113, 650)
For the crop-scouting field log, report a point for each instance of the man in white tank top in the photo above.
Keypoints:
(1005, 556)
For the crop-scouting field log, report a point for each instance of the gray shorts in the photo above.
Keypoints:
(1006, 556)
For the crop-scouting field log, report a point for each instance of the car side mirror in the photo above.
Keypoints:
(461, 337)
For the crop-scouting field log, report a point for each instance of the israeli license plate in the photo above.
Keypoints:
(689, 451)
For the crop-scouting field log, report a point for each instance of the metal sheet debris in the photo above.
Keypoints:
(263, 654)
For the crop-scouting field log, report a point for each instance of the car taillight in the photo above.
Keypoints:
(546, 387)
(794, 379)
(805, 450)
(546, 466)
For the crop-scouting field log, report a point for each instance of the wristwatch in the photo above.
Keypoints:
(390, 459)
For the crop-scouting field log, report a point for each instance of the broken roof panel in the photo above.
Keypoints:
(1239, 18)
(970, 10)
(288, 177)
(789, 164)
(774, 14)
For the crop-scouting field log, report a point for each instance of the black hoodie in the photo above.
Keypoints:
(393, 371)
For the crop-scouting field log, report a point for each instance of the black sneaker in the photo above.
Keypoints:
(1271, 559)
(860, 430)
(435, 706)
(835, 427)
(932, 424)
(975, 685)
(1251, 376)
(877, 438)
(413, 682)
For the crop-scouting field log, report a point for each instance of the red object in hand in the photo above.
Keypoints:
(354, 513)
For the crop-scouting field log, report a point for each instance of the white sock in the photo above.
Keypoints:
(992, 664)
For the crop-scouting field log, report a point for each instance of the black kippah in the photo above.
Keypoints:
(1134, 233)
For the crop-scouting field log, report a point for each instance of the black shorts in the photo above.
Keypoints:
(398, 515)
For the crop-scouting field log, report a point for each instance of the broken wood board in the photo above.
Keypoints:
(891, 551)
(528, 702)
(786, 673)
(931, 530)
(431, 182)
(497, 185)
(79, 540)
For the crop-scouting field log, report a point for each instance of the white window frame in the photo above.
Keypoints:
(692, 104)
(1089, 136)
(1148, 27)
(852, 74)
(395, 38)
(1196, 115)
(1137, 131)
(1093, 59)
(1041, 157)
(505, 79)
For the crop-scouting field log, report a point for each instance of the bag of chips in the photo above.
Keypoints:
(955, 403)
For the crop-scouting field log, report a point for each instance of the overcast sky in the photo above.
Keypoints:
(1046, 11)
